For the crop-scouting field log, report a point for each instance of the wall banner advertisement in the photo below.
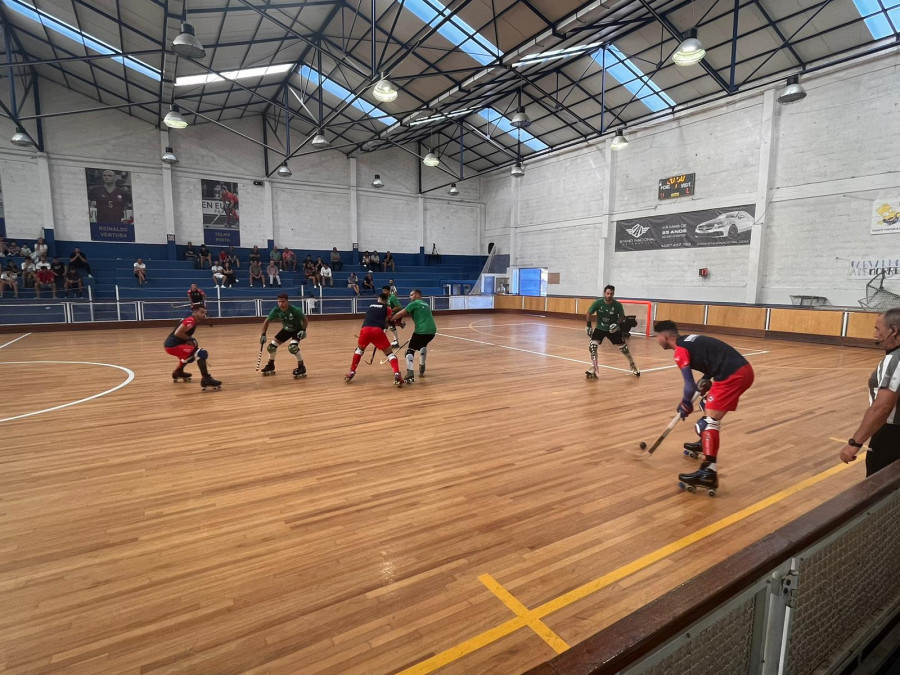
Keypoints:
(221, 221)
(729, 226)
(110, 208)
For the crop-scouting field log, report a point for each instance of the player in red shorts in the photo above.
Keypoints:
(726, 375)
(372, 333)
(181, 343)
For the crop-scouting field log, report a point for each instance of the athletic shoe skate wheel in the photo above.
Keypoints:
(711, 492)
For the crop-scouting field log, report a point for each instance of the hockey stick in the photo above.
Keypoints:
(383, 361)
(372, 358)
(649, 451)
(259, 358)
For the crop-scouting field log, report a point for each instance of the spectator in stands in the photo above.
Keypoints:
(353, 282)
(374, 260)
(28, 272)
(204, 255)
(256, 272)
(272, 271)
(80, 262)
(309, 273)
(223, 256)
(218, 273)
(336, 264)
(59, 273)
(325, 275)
(9, 278)
(308, 260)
(233, 258)
(73, 281)
(2, 247)
(191, 254)
(25, 251)
(288, 260)
(369, 283)
(42, 264)
(434, 257)
(388, 262)
(40, 249)
(12, 248)
(44, 279)
(230, 278)
(140, 271)
(275, 256)
(196, 296)
(254, 255)
(364, 261)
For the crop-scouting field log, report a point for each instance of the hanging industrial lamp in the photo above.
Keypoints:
(169, 157)
(690, 52)
(619, 141)
(794, 91)
(187, 45)
(173, 118)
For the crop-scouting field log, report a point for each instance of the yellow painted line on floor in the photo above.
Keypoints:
(492, 635)
(520, 610)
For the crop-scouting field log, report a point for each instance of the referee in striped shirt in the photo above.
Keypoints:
(881, 423)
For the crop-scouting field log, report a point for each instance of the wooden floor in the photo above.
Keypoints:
(477, 521)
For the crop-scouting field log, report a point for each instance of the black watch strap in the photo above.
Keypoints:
(853, 444)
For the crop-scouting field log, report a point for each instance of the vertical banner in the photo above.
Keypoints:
(2, 215)
(221, 221)
(109, 205)
(885, 216)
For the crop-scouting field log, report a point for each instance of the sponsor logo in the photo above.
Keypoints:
(637, 230)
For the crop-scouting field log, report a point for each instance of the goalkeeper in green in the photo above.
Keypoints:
(610, 324)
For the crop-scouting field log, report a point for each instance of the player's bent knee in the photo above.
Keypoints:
(294, 347)
(359, 351)
(202, 354)
(624, 349)
(271, 348)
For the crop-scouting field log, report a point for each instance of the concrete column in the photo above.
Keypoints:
(268, 214)
(168, 198)
(607, 224)
(514, 186)
(765, 177)
(354, 213)
(43, 170)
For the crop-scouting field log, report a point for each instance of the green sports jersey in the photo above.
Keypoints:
(607, 314)
(291, 319)
(421, 314)
(393, 302)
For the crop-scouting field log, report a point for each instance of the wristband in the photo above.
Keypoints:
(853, 444)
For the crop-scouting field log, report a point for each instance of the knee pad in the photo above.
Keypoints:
(294, 347)
(709, 439)
(202, 354)
(423, 352)
(624, 350)
(703, 423)
(271, 348)
(592, 348)
(359, 351)
(410, 351)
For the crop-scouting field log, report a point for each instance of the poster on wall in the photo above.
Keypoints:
(221, 221)
(886, 215)
(109, 205)
(730, 226)
(867, 268)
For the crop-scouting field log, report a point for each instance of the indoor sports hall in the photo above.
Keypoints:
(510, 505)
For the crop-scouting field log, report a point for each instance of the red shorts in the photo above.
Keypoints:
(724, 395)
(371, 335)
(183, 352)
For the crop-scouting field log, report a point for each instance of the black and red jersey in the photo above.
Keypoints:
(190, 324)
(712, 357)
(377, 315)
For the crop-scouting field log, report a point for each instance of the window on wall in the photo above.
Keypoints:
(532, 281)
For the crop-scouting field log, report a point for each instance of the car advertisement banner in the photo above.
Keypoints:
(729, 226)
(886, 215)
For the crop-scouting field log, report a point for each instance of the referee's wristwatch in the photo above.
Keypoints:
(853, 444)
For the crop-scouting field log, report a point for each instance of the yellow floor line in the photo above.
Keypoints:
(492, 635)
(520, 610)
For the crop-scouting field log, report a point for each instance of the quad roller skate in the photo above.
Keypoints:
(410, 377)
(591, 375)
(269, 369)
(421, 370)
(349, 376)
(208, 382)
(635, 371)
(398, 380)
(693, 450)
(179, 375)
(299, 372)
(395, 344)
(700, 480)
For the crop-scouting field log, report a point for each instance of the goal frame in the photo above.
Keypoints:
(643, 309)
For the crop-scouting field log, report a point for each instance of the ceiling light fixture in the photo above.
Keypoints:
(619, 141)
(690, 52)
(520, 120)
(187, 45)
(430, 159)
(173, 118)
(320, 141)
(794, 91)
(384, 90)
(22, 139)
(169, 156)
(377, 183)
(284, 171)
(518, 170)
(453, 191)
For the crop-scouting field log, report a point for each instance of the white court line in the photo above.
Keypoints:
(66, 405)
(16, 340)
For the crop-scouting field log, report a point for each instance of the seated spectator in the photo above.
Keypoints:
(41, 263)
(2, 247)
(308, 260)
(196, 296)
(364, 261)
(40, 249)
(204, 256)
(368, 283)
(223, 256)
(272, 271)
(230, 278)
(28, 272)
(256, 272)
(44, 279)
(59, 272)
(288, 260)
(218, 274)
(191, 254)
(326, 276)
(233, 258)
(388, 262)
(254, 254)
(25, 251)
(309, 273)
(374, 259)
(79, 261)
(12, 248)
(140, 271)
(9, 278)
(353, 282)
(275, 256)
(336, 264)
(74, 282)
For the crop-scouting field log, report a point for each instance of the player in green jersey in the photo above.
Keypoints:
(293, 328)
(610, 318)
(395, 306)
(422, 334)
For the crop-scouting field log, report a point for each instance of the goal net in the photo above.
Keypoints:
(877, 296)
(641, 310)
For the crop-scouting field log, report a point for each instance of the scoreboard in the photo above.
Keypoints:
(676, 186)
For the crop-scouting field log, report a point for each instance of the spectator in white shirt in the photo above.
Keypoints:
(140, 271)
(218, 274)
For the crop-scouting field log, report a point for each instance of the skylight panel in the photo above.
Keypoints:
(557, 54)
(499, 121)
(455, 30)
(633, 79)
(207, 78)
(443, 116)
(89, 42)
(337, 90)
(876, 13)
